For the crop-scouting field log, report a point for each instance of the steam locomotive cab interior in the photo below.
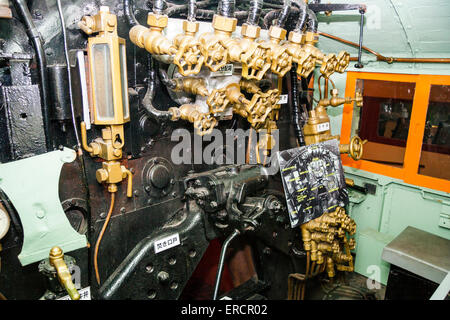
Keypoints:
(222, 149)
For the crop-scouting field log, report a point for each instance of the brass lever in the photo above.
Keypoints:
(56, 258)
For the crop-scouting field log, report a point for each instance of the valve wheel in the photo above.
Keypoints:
(215, 55)
(329, 65)
(306, 65)
(343, 61)
(189, 59)
(356, 148)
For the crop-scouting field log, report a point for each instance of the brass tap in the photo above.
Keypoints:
(152, 38)
(306, 61)
(216, 45)
(188, 58)
(204, 123)
(335, 100)
(56, 258)
(191, 85)
(281, 60)
(354, 149)
(255, 58)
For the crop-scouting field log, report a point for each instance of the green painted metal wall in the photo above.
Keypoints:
(405, 28)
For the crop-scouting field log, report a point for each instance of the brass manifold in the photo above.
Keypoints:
(325, 239)
(217, 48)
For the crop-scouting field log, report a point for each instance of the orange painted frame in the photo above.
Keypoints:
(409, 172)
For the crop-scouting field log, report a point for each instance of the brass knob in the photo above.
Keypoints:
(56, 259)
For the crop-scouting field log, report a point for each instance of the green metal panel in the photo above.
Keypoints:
(43, 220)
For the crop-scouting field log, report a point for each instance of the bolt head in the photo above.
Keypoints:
(224, 23)
(190, 26)
(277, 33)
(157, 20)
(296, 37)
(250, 31)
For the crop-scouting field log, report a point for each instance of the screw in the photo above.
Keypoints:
(122, 210)
(103, 215)
(213, 204)
(174, 194)
(147, 188)
(136, 193)
(267, 251)
(149, 201)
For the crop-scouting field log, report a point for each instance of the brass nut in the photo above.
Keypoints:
(101, 175)
(277, 33)
(137, 35)
(190, 26)
(296, 37)
(157, 20)
(250, 31)
(311, 37)
(224, 23)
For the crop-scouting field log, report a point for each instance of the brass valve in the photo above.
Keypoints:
(343, 61)
(306, 61)
(355, 148)
(56, 258)
(191, 85)
(102, 22)
(188, 58)
(203, 122)
(220, 99)
(325, 239)
(213, 46)
(111, 173)
(255, 58)
(281, 60)
(152, 38)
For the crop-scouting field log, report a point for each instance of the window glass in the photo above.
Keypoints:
(103, 81)
(435, 156)
(384, 119)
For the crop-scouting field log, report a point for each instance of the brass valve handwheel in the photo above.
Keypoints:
(281, 61)
(306, 64)
(218, 100)
(205, 125)
(215, 55)
(189, 58)
(255, 63)
(356, 148)
(329, 65)
(343, 61)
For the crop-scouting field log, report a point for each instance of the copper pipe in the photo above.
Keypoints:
(380, 57)
(100, 236)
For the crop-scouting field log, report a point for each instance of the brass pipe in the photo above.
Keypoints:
(84, 138)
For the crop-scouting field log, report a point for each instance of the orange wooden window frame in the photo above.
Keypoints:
(409, 172)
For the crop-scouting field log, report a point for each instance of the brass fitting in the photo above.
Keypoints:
(281, 60)
(190, 85)
(317, 129)
(188, 58)
(354, 149)
(112, 172)
(213, 43)
(220, 99)
(102, 22)
(56, 258)
(255, 58)
(328, 244)
(203, 122)
(306, 61)
(108, 147)
(152, 39)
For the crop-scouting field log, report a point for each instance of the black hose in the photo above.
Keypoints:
(295, 110)
(284, 13)
(312, 22)
(33, 34)
(147, 101)
(226, 8)
(255, 12)
(69, 73)
(170, 83)
(303, 12)
(158, 6)
(222, 262)
(128, 11)
(192, 10)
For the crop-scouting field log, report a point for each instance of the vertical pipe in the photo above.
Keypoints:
(192, 10)
(361, 29)
(226, 8)
(222, 261)
(33, 34)
(255, 12)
